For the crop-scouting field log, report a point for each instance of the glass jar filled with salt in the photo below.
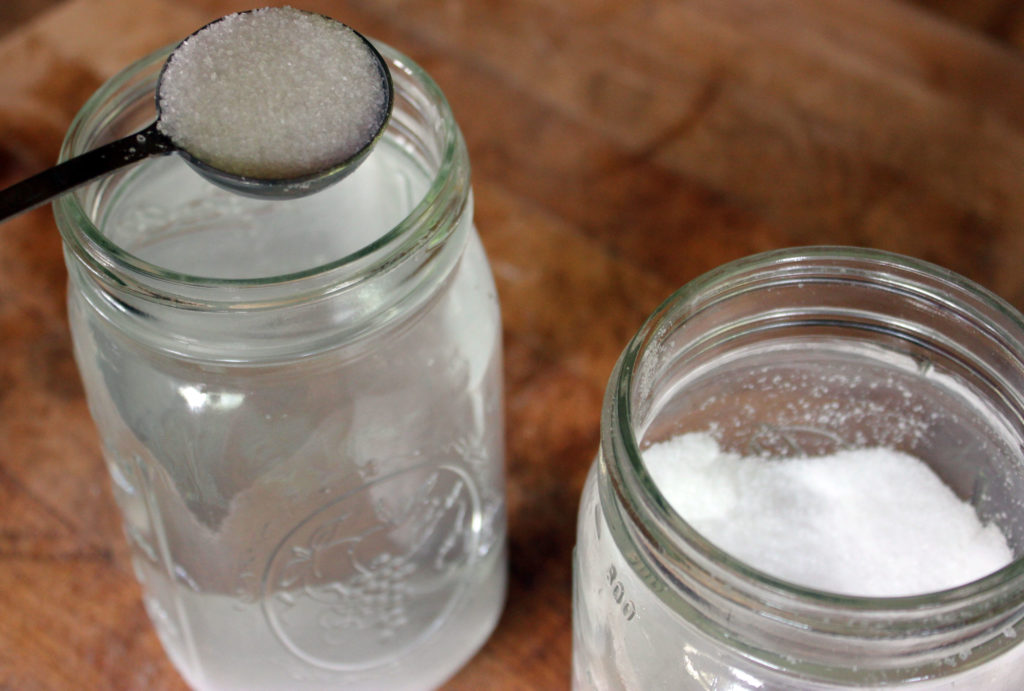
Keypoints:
(811, 476)
(299, 401)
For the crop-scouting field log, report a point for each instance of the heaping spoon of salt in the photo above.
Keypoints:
(274, 102)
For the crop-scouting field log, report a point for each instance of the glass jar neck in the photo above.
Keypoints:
(343, 298)
(801, 632)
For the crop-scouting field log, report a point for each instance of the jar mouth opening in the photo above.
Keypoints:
(416, 229)
(634, 486)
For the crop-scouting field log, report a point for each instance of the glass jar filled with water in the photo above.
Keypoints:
(299, 401)
(811, 476)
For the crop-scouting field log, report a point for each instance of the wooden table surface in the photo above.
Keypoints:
(620, 149)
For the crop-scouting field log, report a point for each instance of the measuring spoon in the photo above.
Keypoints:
(152, 141)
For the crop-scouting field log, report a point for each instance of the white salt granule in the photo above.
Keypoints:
(869, 522)
(273, 93)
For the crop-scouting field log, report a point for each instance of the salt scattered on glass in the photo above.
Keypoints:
(867, 522)
(272, 93)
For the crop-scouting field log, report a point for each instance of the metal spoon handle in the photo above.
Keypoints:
(44, 186)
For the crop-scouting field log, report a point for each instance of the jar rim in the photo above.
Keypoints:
(634, 486)
(418, 228)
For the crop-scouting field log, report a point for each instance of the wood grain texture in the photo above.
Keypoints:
(619, 150)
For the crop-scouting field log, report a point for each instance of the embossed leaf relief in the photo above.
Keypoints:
(370, 574)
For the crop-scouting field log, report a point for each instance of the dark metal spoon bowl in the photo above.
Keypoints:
(151, 141)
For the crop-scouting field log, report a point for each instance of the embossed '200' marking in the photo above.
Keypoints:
(618, 592)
